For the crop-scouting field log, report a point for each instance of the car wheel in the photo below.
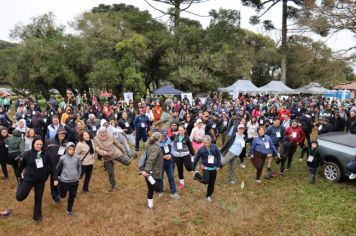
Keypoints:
(332, 172)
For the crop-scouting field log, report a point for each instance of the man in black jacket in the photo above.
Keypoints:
(339, 122)
(351, 123)
(55, 148)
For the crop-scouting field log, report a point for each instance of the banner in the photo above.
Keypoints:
(128, 97)
(235, 94)
(185, 96)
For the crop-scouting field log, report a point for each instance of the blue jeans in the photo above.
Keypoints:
(312, 171)
(168, 168)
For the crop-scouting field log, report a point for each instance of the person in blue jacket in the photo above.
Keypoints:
(211, 162)
(141, 126)
(261, 148)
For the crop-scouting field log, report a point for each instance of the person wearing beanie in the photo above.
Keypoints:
(69, 168)
(36, 167)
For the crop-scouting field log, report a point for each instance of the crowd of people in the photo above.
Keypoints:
(63, 141)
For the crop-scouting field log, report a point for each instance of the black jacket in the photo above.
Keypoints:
(53, 145)
(34, 174)
(316, 158)
(351, 125)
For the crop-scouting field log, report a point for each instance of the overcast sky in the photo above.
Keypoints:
(13, 12)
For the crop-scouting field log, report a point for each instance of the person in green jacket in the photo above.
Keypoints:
(153, 167)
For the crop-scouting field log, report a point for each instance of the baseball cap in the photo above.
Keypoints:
(199, 121)
(241, 126)
(164, 132)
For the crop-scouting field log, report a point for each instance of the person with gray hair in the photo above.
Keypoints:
(153, 169)
(211, 162)
(93, 124)
(111, 150)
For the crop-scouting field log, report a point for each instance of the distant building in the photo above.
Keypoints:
(351, 87)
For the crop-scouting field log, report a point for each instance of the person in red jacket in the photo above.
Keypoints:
(296, 136)
(282, 112)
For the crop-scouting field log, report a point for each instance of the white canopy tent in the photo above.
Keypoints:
(243, 86)
(277, 87)
(313, 88)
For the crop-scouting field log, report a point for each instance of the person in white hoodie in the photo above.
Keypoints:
(69, 167)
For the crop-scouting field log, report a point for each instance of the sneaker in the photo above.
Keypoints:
(301, 159)
(282, 174)
(113, 189)
(243, 165)
(5, 213)
(70, 213)
(181, 186)
(208, 199)
(38, 219)
(150, 207)
(232, 182)
(85, 191)
(258, 181)
(269, 175)
(352, 176)
(174, 195)
(160, 195)
(312, 181)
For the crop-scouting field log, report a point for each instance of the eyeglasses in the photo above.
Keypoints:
(71, 149)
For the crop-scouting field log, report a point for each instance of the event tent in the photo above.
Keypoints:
(313, 88)
(167, 90)
(243, 86)
(277, 87)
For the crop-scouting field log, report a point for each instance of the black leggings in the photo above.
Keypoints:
(3, 166)
(209, 177)
(15, 165)
(72, 189)
(152, 188)
(186, 160)
(24, 190)
(87, 171)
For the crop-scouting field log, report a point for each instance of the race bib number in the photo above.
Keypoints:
(298, 109)
(166, 149)
(94, 128)
(158, 112)
(270, 121)
(211, 159)
(186, 125)
(45, 120)
(214, 126)
(61, 150)
(52, 113)
(39, 163)
(261, 122)
(225, 123)
(179, 145)
(278, 134)
(143, 125)
(115, 116)
(127, 124)
(294, 134)
(320, 127)
(267, 145)
(310, 158)
(33, 113)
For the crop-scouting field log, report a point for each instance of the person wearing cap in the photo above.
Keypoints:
(68, 170)
(166, 147)
(324, 125)
(232, 150)
(196, 137)
(34, 169)
(141, 127)
(55, 148)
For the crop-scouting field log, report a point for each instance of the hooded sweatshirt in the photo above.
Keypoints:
(69, 166)
(14, 141)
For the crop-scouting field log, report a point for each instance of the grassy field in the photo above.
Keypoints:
(283, 206)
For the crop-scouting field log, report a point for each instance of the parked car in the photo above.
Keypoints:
(338, 149)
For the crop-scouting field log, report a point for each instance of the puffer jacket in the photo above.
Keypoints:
(110, 148)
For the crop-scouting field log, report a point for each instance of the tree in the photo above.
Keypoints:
(287, 12)
(329, 17)
(176, 7)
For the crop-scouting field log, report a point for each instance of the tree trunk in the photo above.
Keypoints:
(284, 43)
(176, 15)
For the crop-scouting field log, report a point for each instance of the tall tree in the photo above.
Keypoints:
(329, 17)
(176, 7)
(264, 6)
